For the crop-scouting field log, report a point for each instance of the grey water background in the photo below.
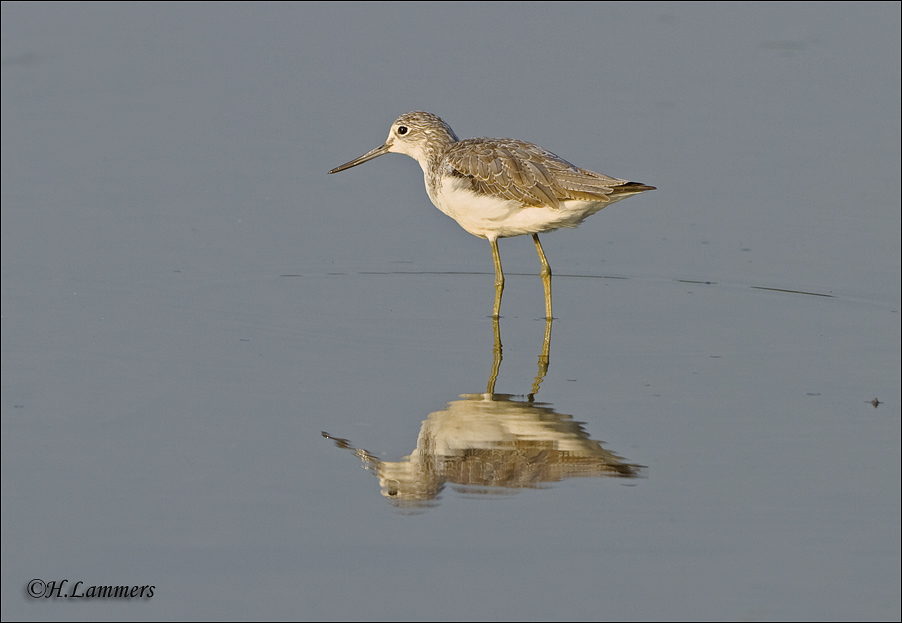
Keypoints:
(188, 300)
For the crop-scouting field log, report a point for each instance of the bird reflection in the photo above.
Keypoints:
(493, 444)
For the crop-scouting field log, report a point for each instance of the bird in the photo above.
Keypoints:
(500, 187)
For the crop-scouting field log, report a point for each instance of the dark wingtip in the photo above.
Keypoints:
(638, 186)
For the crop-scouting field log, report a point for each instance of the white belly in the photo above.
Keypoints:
(493, 217)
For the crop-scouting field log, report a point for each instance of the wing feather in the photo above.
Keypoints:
(527, 173)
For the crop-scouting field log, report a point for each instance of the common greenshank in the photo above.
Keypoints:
(500, 187)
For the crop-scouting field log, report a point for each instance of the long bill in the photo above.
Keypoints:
(383, 149)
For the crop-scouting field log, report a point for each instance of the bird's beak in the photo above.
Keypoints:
(367, 156)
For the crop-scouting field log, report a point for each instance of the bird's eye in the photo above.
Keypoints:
(402, 130)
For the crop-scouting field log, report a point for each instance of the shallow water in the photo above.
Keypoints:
(189, 302)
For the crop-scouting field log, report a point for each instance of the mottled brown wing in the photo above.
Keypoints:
(525, 172)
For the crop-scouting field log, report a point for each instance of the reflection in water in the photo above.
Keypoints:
(493, 443)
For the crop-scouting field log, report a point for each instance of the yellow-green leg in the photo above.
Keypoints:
(545, 273)
(499, 277)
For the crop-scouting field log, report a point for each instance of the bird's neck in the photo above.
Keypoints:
(430, 159)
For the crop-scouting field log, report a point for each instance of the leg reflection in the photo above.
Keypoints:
(544, 359)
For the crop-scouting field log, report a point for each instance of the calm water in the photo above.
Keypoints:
(189, 302)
